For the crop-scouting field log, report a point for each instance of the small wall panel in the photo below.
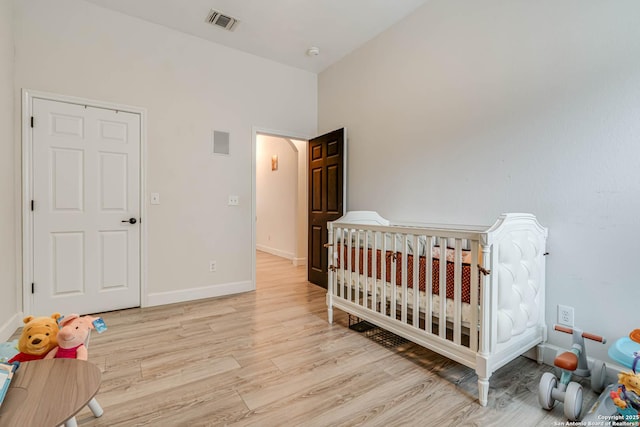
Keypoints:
(67, 175)
(67, 259)
(113, 259)
(113, 181)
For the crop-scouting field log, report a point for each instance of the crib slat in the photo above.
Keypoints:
(457, 292)
(416, 283)
(473, 327)
(343, 263)
(356, 288)
(442, 325)
(339, 254)
(349, 262)
(383, 276)
(374, 272)
(404, 268)
(339, 236)
(428, 309)
(331, 276)
(365, 270)
(393, 276)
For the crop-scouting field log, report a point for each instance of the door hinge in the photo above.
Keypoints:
(31, 121)
(32, 205)
(33, 288)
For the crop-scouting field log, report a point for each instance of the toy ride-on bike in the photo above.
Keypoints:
(572, 362)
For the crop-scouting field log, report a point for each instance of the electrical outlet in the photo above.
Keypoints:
(233, 201)
(565, 315)
(212, 266)
(155, 198)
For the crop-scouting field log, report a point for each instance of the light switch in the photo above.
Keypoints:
(155, 198)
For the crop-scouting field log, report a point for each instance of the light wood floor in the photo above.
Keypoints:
(269, 358)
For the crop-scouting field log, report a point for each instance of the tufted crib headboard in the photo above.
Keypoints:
(517, 244)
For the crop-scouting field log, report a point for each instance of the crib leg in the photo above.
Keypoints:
(540, 354)
(483, 391)
(329, 309)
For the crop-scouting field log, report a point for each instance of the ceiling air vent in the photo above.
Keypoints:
(221, 20)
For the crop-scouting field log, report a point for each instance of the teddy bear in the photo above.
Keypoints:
(73, 334)
(38, 337)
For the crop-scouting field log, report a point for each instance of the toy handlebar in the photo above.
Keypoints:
(587, 335)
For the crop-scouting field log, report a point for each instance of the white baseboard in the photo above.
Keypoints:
(9, 327)
(162, 298)
(276, 252)
(299, 261)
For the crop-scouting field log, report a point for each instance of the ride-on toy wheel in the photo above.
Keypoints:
(547, 383)
(598, 376)
(573, 401)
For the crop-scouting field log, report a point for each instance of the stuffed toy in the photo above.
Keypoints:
(630, 383)
(37, 339)
(8, 350)
(630, 380)
(72, 337)
(616, 396)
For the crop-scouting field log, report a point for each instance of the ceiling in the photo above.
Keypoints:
(280, 30)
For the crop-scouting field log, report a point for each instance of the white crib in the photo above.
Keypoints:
(376, 266)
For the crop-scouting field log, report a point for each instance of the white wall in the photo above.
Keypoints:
(276, 196)
(8, 278)
(189, 87)
(467, 109)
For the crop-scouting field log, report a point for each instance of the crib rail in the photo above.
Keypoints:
(413, 275)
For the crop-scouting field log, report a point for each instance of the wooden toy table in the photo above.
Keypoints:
(46, 393)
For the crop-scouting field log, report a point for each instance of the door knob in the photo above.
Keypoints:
(130, 220)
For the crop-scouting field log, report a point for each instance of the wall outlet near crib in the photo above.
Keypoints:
(565, 315)
(212, 266)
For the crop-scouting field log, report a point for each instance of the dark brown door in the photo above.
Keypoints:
(326, 195)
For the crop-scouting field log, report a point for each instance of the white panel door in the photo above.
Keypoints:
(86, 189)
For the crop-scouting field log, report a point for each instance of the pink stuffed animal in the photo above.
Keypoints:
(73, 334)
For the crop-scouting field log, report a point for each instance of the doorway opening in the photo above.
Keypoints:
(281, 197)
(279, 206)
(321, 194)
